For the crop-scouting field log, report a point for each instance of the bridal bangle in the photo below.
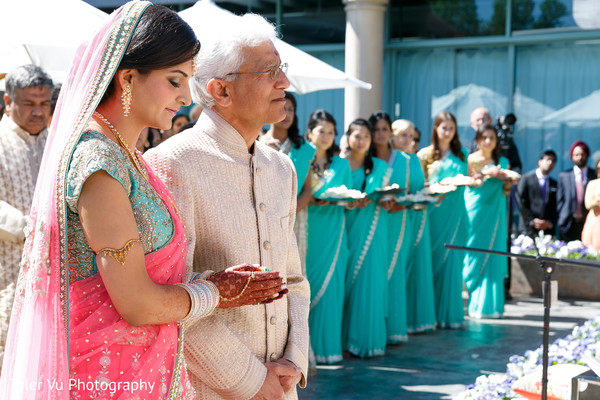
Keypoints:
(204, 297)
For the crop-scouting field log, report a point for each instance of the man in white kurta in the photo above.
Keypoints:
(23, 136)
(237, 198)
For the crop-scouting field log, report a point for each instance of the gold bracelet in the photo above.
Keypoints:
(119, 254)
(250, 278)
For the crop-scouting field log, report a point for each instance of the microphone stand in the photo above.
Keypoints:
(547, 269)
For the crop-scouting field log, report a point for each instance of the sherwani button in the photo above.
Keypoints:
(267, 245)
(273, 320)
(258, 171)
(262, 206)
(273, 357)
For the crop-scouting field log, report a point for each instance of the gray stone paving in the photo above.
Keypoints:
(440, 364)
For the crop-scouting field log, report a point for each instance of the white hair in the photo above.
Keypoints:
(222, 53)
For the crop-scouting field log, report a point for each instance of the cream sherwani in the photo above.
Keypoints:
(20, 158)
(238, 207)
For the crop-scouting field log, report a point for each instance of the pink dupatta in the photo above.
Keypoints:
(46, 323)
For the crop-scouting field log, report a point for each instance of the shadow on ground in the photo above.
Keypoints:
(440, 364)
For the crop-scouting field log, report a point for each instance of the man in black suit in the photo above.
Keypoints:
(536, 196)
(570, 193)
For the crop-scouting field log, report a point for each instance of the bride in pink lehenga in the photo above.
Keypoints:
(102, 297)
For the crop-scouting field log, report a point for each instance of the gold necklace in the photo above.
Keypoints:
(132, 156)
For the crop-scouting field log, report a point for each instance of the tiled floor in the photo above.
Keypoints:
(440, 364)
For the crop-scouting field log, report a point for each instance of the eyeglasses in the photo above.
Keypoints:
(273, 71)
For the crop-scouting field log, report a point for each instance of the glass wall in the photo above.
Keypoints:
(434, 19)
(323, 21)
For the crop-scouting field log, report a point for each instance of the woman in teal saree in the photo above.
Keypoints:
(396, 219)
(327, 254)
(415, 253)
(445, 157)
(486, 210)
(364, 331)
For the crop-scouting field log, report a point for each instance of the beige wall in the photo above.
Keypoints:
(365, 23)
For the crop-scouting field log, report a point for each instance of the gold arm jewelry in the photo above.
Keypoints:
(119, 254)
(250, 278)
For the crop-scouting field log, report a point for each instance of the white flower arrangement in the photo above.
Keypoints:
(550, 247)
(583, 342)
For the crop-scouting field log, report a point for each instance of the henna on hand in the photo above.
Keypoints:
(248, 285)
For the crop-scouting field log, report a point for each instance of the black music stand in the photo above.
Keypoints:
(547, 269)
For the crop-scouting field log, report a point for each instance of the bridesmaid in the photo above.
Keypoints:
(327, 254)
(486, 210)
(445, 157)
(285, 137)
(395, 267)
(415, 252)
(364, 332)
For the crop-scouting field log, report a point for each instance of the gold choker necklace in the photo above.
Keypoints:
(132, 155)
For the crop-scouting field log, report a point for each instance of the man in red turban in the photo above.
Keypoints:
(570, 193)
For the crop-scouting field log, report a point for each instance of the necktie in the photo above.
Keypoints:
(579, 191)
(543, 189)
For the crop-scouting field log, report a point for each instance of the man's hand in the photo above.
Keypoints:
(272, 387)
(541, 224)
(291, 374)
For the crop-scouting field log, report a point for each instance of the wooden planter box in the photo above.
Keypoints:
(574, 282)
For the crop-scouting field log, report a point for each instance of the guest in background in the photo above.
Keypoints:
(590, 235)
(144, 141)
(177, 124)
(411, 247)
(414, 145)
(366, 284)
(285, 137)
(23, 133)
(327, 254)
(570, 193)
(179, 121)
(536, 197)
(446, 157)
(486, 210)
(395, 217)
(479, 116)
(54, 100)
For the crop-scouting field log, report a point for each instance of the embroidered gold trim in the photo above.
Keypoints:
(119, 254)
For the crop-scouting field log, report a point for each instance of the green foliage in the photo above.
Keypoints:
(552, 11)
(522, 16)
(461, 14)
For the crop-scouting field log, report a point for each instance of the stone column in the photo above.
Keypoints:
(365, 23)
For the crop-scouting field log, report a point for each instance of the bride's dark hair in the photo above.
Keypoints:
(161, 39)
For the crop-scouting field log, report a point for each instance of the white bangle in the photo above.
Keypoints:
(204, 298)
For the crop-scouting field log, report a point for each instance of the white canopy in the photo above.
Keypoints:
(305, 72)
(462, 100)
(582, 112)
(45, 33)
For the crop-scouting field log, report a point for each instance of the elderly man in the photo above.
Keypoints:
(237, 198)
(570, 194)
(479, 116)
(23, 135)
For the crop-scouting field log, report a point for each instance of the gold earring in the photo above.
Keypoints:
(126, 100)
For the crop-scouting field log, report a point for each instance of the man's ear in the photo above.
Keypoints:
(220, 91)
(7, 103)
